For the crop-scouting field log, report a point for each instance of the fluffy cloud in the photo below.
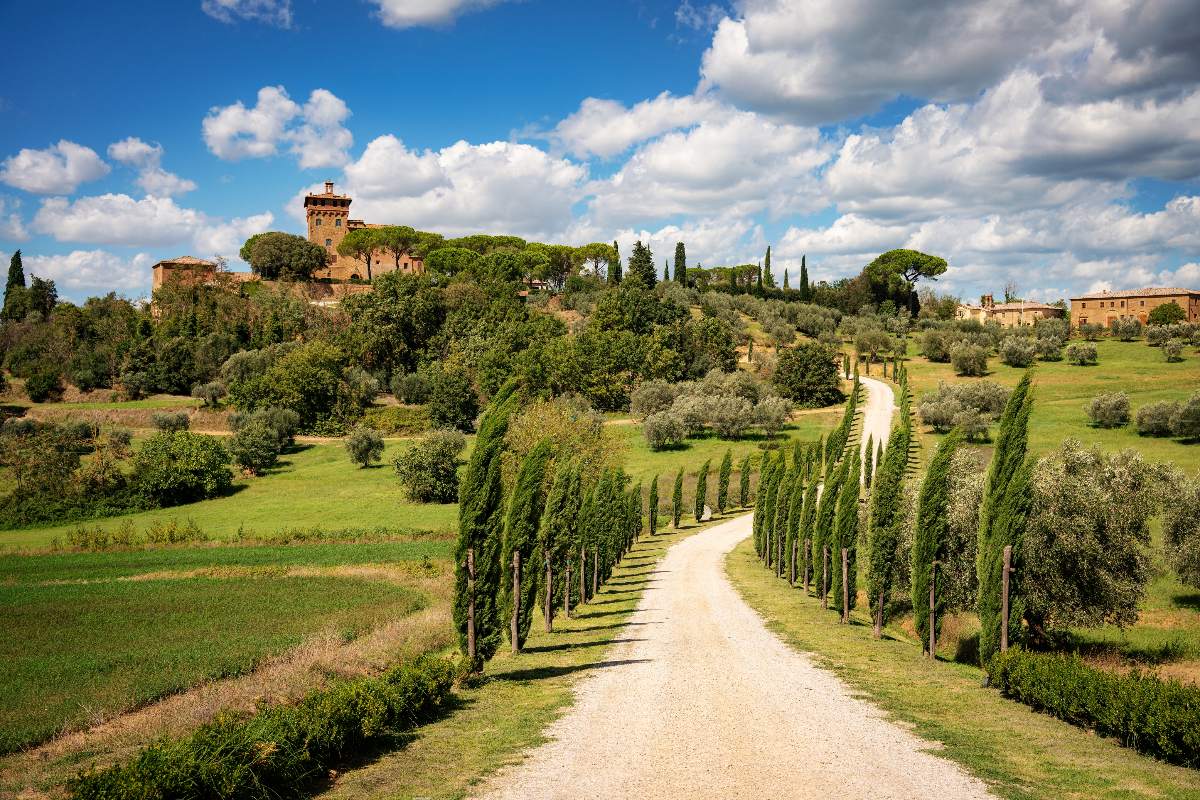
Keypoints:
(711, 241)
(270, 12)
(146, 158)
(12, 227)
(226, 238)
(314, 131)
(498, 187)
(92, 271)
(605, 127)
(415, 13)
(59, 169)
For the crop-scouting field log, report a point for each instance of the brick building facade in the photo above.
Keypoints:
(328, 216)
(1009, 315)
(1106, 307)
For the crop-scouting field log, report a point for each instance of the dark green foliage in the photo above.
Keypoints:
(930, 537)
(677, 500)
(364, 446)
(654, 506)
(641, 265)
(15, 297)
(1160, 718)
(808, 375)
(44, 384)
(823, 528)
(807, 528)
(701, 497)
(480, 526)
(767, 273)
(521, 526)
(835, 444)
(452, 401)
(275, 255)
(805, 288)
(254, 447)
(681, 264)
(744, 482)
(557, 537)
(181, 467)
(869, 463)
(779, 527)
(1166, 314)
(635, 516)
(284, 750)
(845, 529)
(1002, 520)
(171, 421)
(886, 506)
(726, 471)
(793, 546)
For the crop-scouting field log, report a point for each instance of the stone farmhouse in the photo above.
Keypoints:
(1106, 307)
(1009, 315)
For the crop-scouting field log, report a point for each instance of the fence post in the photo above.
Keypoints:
(932, 618)
(825, 577)
(471, 606)
(845, 585)
(792, 563)
(1004, 597)
(516, 600)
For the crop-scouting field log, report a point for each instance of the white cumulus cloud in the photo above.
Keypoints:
(146, 159)
(606, 128)
(424, 13)
(59, 169)
(314, 132)
(92, 271)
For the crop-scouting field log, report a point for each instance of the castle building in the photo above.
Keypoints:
(329, 221)
(1104, 308)
(1009, 315)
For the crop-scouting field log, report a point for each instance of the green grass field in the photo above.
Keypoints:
(88, 635)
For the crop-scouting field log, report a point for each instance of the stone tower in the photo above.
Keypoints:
(328, 219)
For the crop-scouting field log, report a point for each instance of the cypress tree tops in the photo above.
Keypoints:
(677, 500)
(768, 277)
(723, 476)
(744, 483)
(701, 491)
(518, 561)
(614, 266)
(666, 271)
(480, 524)
(883, 527)
(845, 530)
(1002, 520)
(681, 264)
(654, 506)
(929, 537)
(641, 264)
(869, 462)
(805, 288)
(785, 279)
(14, 289)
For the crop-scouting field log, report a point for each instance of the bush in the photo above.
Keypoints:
(1109, 410)
(398, 420)
(211, 392)
(411, 388)
(1052, 328)
(1181, 533)
(731, 416)
(1091, 331)
(1049, 349)
(936, 344)
(1126, 329)
(365, 446)
(429, 469)
(181, 467)
(44, 384)
(1173, 350)
(808, 375)
(171, 421)
(1155, 419)
(944, 409)
(452, 401)
(1082, 354)
(283, 423)
(1166, 314)
(1156, 717)
(282, 750)
(1157, 335)
(1018, 351)
(772, 413)
(651, 397)
(692, 411)
(663, 429)
(969, 359)
(1185, 422)
(255, 447)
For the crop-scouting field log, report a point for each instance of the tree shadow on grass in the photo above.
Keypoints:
(1191, 600)
(610, 602)
(595, 614)
(608, 627)
(551, 648)
(540, 673)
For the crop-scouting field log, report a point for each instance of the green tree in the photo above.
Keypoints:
(823, 529)
(726, 471)
(428, 470)
(452, 400)
(254, 447)
(744, 482)
(364, 446)
(15, 301)
(894, 275)
(785, 279)
(277, 255)
(930, 537)
(681, 264)
(181, 467)
(783, 506)
(795, 512)
(597, 256)
(653, 503)
(480, 526)
(614, 266)
(845, 530)
(808, 375)
(1002, 521)
(887, 516)
(701, 490)
(641, 264)
(556, 536)
(767, 275)
(677, 500)
(1166, 314)
(42, 296)
(806, 531)
(805, 288)
(398, 241)
(361, 245)
(521, 559)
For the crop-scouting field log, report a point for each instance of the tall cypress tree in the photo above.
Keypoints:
(681, 264)
(768, 275)
(930, 536)
(14, 289)
(869, 463)
(1002, 520)
(785, 279)
(635, 515)
(480, 528)
(783, 504)
(614, 266)
(521, 527)
(886, 518)
(701, 498)
(555, 535)
(808, 515)
(723, 476)
(641, 264)
(758, 285)
(733, 282)
(744, 482)
(805, 288)
(666, 270)
(823, 527)
(585, 537)
(792, 544)
(677, 499)
(654, 506)
(845, 530)
(760, 503)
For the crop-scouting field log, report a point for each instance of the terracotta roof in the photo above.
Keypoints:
(189, 260)
(1030, 306)
(1149, 291)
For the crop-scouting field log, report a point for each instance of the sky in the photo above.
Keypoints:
(1053, 146)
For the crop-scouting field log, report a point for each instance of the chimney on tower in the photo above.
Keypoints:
(328, 187)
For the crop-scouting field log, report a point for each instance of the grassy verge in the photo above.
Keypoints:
(1018, 752)
(505, 716)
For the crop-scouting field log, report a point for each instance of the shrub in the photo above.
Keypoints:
(211, 392)
(1173, 350)
(1052, 328)
(255, 447)
(398, 420)
(731, 416)
(692, 412)
(283, 423)
(1181, 533)
(651, 397)
(1049, 349)
(1166, 314)
(1091, 331)
(1018, 351)
(412, 388)
(1153, 716)
(663, 430)
(452, 401)
(935, 344)
(429, 469)
(281, 750)
(973, 424)
(171, 421)
(1158, 335)
(44, 384)
(180, 467)
(1126, 329)
(1155, 419)
(944, 409)
(1109, 410)
(1082, 354)
(808, 375)
(365, 446)
(772, 413)
(1185, 422)
(969, 359)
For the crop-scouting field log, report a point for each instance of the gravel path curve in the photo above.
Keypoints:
(707, 703)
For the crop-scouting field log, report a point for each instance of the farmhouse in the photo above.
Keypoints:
(328, 223)
(1106, 307)
(1009, 315)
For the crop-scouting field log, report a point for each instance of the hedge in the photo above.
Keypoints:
(280, 751)
(1156, 717)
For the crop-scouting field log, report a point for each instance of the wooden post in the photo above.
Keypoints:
(549, 597)
(807, 559)
(471, 606)
(825, 577)
(567, 590)
(1004, 597)
(845, 585)
(932, 607)
(516, 601)
(879, 617)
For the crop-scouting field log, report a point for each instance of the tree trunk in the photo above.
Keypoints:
(595, 571)
(582, 574)
(845, 585)
(471, 607)
(516, 602)
(549, 597)
(778, 555)
(567, 590)
(879, 617)
(807, 558)
(932, 606)
(1004, 598)
(792, 563)
(825, 577)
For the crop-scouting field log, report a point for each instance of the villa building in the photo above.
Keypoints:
(1106, 307)
(329, 221)
(1009, 315)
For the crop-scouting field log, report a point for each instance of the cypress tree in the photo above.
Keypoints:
(584, 538)
(14, 289)
(792, 544)
(521, 527)
(778, 471)
(806, 532)
(723, 475)
(885, 517)
(1002, 520)
(785, 279)
(555, 536)
(930, 535)
(654, 506)
(701, 490)
(733, 283)
(783, 504)
(641, 264)
(677, 499)
(767, 275)
(805, 288)
(666, 270)
(823, 528)
(869, 463)
(614, 266)
(681, 264)
(744, 483)
(760, 504)
(480, 528)
(635, 516)
(845, 530)
(758, 286)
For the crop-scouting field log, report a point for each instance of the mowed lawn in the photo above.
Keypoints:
(84, 636)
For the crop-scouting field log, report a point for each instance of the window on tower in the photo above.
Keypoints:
(337, 223)
(318, 222)
(329, 242)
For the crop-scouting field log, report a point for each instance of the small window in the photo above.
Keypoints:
(337, 223)
(1083, 305)
(1143, 302)
(1122, 306)
(329, 242)
(318, 222)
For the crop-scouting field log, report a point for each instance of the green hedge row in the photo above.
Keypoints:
(1153, 716)
(280, 751)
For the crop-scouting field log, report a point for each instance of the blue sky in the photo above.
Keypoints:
(1056, 148)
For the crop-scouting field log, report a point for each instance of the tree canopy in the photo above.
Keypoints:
(894, 274)
(277, 255)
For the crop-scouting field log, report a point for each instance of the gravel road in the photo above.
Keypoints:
(705, 702)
